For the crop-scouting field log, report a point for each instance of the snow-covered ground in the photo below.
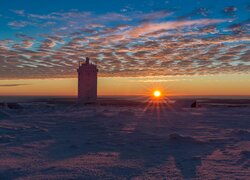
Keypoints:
(44, 141)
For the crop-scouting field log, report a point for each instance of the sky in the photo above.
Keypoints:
(184, 47)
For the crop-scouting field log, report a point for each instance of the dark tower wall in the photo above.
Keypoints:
(87, 82)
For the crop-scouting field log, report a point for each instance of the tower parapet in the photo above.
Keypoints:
(87, 82)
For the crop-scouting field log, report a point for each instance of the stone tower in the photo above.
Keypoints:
(87, 82)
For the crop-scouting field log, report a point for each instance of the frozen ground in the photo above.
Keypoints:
(44, 141)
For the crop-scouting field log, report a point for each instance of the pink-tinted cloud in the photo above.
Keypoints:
(152, 27)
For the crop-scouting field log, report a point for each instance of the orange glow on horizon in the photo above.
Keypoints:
(216, 85)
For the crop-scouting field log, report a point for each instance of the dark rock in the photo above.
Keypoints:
(14, 106)
(3, 105)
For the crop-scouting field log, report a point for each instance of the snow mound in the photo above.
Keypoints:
(109, 142)
(5, 139)
(105, 114)
(3, 115)
(242, 134)
(179, 138)
(245, 154)
(244, 160)
(126, 113)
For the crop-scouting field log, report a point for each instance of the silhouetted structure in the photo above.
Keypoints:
(4, 105)
(194, 104)
(87, 82)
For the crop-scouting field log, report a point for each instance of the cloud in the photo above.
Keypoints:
(27, 43)
(18, 24)
(23, 36)
(146, 17)
(153, 27)
(48, 43)
(73, 19)
(132, 44)
(230, 10)
(12, 85)
(19, 12)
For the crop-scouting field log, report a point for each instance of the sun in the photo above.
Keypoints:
(157, 93)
